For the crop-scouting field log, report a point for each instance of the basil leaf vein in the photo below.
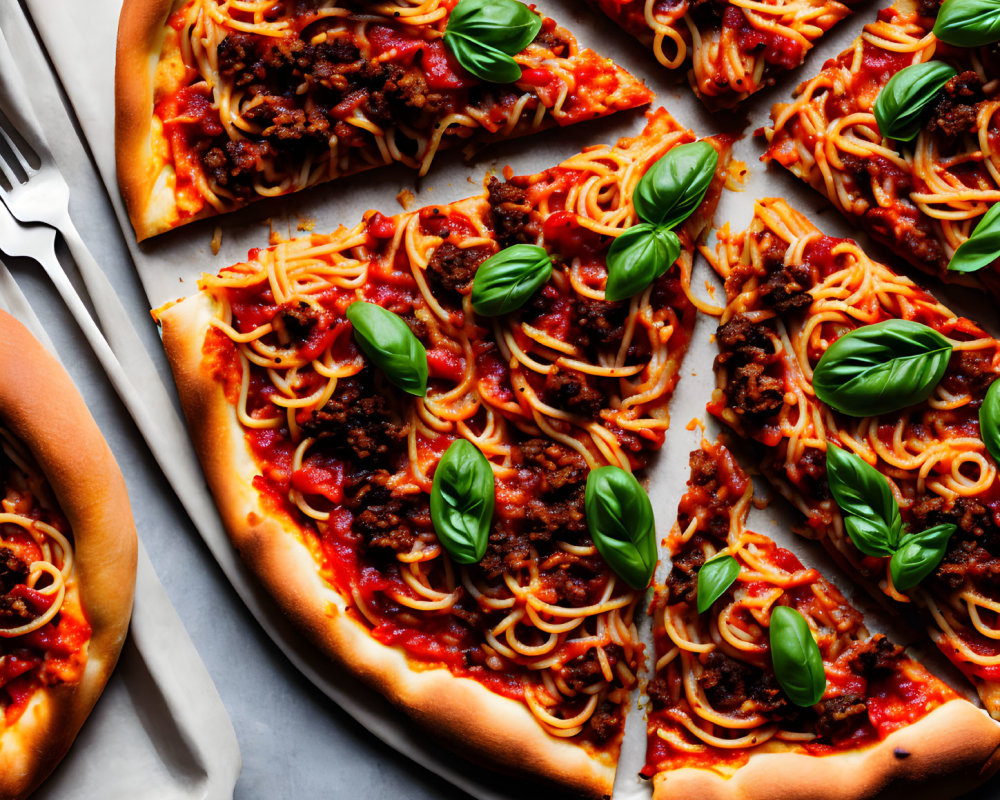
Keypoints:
(390, 344)
(905, 101)
(507, 280)
(463, 496)
(482, 35)
(871, 513)
(638, 257)
(919, 555)
(620, 520)
(989, 420)
(881, 368)
(982, 247)
(716, 575)
(968, 23)
(795, 655)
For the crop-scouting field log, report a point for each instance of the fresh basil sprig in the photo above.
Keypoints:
(715, 576)
(638, 257)
(483, 35)
(664, 197)
(463, 495)
(982, 247)
(874, 524)
(871, 513)
(918, 555)
(390, 344)
(507, 280)
(989, 420)
(620, 520)
(968, 23)
(906, 99)
(881, 368)
(797, 661)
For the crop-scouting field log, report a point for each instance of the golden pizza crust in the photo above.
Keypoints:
(40, 405)
(948, 752)
(484, 726)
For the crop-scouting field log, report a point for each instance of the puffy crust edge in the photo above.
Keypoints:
(949, 752)
(68, 446)
(490, 729)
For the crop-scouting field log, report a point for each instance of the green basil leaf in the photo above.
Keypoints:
(463, 495)
(638, 257)
(918, 555)
(715, 576)
(485, 62)
(507, 280)
(863, 493)
(906, 100)
(676, 184)
(390, 344)
(968, 23)
(482, 35)
(982, 247)
(989, 420)
(881, 368)
(797, 661)
(620, 519)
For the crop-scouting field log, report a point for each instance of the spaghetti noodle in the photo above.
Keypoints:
(793, 291)
(260, 98)
(568, 383)
(732, 49)
(921, 198)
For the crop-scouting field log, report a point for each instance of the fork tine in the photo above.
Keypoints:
(27, 159)
(8, 177)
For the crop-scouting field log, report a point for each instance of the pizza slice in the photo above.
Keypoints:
(729, 48)
(219, 104)
(503, 628)
(819, 347)
(768, 683)
(67, 562)
(923, 185)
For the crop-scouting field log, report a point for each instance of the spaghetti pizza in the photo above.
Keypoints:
(726, 720)
(792, 293)
(221, 102)
(733, 48)
(922, 198)
(334, 466)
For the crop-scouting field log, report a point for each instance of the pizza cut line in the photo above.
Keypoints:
(722, 724)
(922, 198)
(322, 470)
(219, 103)
(730, 49)
(67, 562)
(792, 293)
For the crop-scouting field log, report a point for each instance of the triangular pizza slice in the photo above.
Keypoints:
(729, 50)
(923, 185)
(221, 103)
(768, 684)
(331, 382)
(875, 409)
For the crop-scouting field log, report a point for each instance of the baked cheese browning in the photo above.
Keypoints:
(715, 699)
(264, 98)
(792, 292)
(731, 48)
(43, 631)
(568, 383)
(922, 198)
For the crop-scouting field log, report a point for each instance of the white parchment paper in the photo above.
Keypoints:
(169, 266)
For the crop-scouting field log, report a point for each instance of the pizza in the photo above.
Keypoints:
(523, 655)
(793, 295)
(768, 683)
(67, 562)
(219, 103)
(729, 48)
(922, 197)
